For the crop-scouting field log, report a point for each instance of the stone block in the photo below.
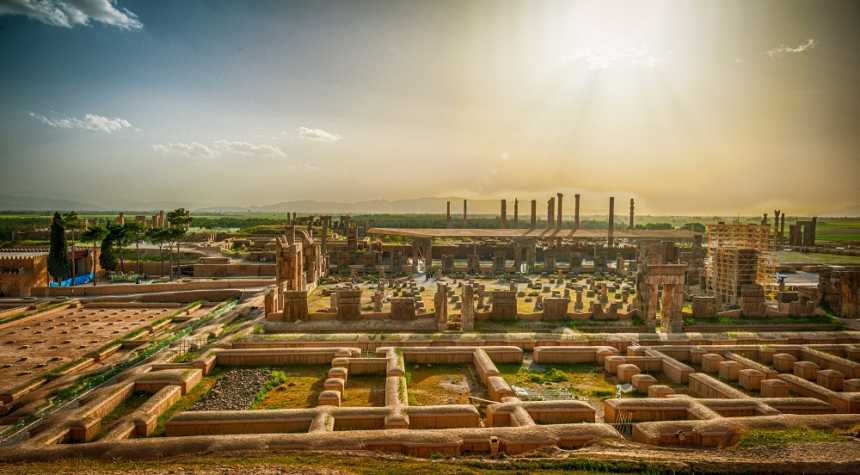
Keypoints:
(626, 371)
(806, 370)
(334, 384)
(750, 379)
(774, 388)
(642, 382)
(830, 379)
(711, 362)
(603, 353)
(660, 390)
(338, 372)
(329, 397)
(610, 363)
(784, 362)
(851, 385)
(729, 370)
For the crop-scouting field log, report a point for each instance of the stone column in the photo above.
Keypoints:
(448, 213)
(473, 264)
(516, 211)
(378, 296)
(468, 314)
(428, 255)
(414, 256)
(503, 215)
(782, 225)
(465, 215)
(531, 253)
(611, 220)
(550, 213)
(558, 220)
(776, 214)
(440, 306)
(651, 306)
(673, 301)
(548, 263)
(324, 239)
(576, 211)
(630, 224)
(534, 214)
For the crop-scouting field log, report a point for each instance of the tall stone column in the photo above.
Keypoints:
(428, 255)
(558, 220)
(531, 253)
(550, 213)
(440, 307)
(503, 215)
(611, 220)
(630, 223)
(467, 319)
(448, 213)
(776, 214)
(414, 256)
(782, 225)
(465, 208)
(576, 211)
(651, 306)
(673, 301)
(516, 211)
(534, 214)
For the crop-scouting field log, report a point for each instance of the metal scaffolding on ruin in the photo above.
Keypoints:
(739, 254)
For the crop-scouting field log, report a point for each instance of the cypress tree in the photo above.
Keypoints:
(58, 257)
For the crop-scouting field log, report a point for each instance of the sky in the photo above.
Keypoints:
(704, 107)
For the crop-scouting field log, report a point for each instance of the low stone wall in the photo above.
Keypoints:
(233, 270)
(705, 386)
(448, 442)
(121, 289)
(282, 356)
(726, 432)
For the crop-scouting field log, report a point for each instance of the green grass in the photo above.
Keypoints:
(793, 257)
(776, 438)
(126, 407)
(188, 399)
(276, 379)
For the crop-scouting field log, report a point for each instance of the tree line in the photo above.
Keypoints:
(112, 239)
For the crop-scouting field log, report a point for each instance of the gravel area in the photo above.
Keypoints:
(235, 390)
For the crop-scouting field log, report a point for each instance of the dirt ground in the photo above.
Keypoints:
(603, 457)
(34, 346)
(442, 384)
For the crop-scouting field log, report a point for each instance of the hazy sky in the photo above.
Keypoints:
(711, 107)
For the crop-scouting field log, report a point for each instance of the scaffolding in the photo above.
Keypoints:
(739, 254)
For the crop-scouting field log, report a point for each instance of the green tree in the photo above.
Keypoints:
(134, 233)
(71, 221)
(108, 258)
(179, 220)
(94, 234)
(58, 257)
(159, 238)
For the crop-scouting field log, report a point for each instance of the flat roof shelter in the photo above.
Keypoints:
(541, 233)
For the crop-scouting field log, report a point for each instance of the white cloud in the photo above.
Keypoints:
(191, 149)
(319, 135)
(94, 122)
(249, 149)
(71, 13)
(783, 50)
(221, 147)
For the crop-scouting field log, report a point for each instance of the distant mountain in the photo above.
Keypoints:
(34, 202)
